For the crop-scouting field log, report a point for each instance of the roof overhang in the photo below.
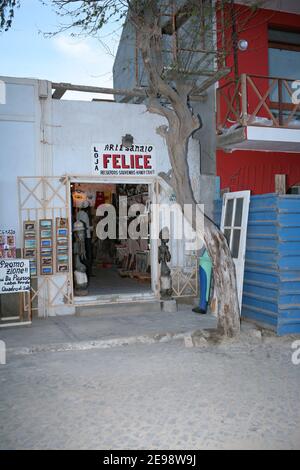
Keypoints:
(287, 6)
(259, 138)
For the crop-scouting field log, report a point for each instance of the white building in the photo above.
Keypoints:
(47, 151)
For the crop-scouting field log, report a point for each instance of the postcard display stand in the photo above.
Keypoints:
(30, 245)
(52, 249)
(46, 245)
(62, 245)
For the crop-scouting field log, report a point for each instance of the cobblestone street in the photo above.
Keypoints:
(160, 396)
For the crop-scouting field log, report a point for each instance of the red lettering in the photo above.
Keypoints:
(123, 159)
(116, 163)
(119, 161)
(131, 161)
(137, 162)
(106, 158)
(147, 164)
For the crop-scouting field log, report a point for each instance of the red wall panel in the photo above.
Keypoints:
(254, 28)
(254, 170)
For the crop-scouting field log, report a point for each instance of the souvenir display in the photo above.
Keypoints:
(78, 197)
(30, 245)
(62, 245)
(46, 247)
(80, 275)
(100, 199)
(7, 244)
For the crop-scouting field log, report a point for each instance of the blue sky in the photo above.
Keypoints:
(25, 52)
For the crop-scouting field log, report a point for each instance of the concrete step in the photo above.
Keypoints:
(151, 306)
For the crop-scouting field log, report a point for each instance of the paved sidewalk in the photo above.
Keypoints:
(236, 395)
(103, 331)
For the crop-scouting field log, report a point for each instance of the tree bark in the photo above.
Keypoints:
(181, 125)
(225, 289)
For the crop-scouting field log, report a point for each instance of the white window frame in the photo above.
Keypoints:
(240, 260)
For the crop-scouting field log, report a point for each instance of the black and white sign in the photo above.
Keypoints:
(117, 160)
(14, 275)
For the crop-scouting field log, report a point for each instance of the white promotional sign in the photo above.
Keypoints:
(117, 160)
(14, 275)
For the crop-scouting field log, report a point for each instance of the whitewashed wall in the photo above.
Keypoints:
(76, 125)
(19, 144)
(40, 136)
(79, 124)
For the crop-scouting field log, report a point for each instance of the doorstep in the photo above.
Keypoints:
(114, 298)
(116, 303)
(122, 306)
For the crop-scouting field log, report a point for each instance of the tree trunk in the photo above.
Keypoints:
(225, 290)
(181, 125)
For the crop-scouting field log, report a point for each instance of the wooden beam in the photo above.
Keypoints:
(125, 99)
(172, 74)
(95, 89)
(280, 184)
(58, 93)
(138, 100)
(182, 15)
(135, 92)
(231, 139)
(211, 80)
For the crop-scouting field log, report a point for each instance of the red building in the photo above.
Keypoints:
(258, 110)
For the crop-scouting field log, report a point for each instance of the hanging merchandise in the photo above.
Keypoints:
(91, 197)
(62, 245)
(107, 197)
(78, 197)
(46, 247)
(100, 199)
(7, 244)
(30, 245)
(205, 269)
(80, 276)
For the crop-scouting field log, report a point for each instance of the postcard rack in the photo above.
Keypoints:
(46, 245)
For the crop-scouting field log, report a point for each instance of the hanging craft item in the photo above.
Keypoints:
(62, 245)
(80, 276)
(30, 244)
(100, 199)
(78, 197)
(107, 197)
(46, 247)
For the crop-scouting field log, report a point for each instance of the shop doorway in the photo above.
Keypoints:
(115, 251)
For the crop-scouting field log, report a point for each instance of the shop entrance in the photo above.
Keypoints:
(111, 240)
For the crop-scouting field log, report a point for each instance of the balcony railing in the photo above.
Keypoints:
(257, 101)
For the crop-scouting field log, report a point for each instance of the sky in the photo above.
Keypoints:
(25, 52)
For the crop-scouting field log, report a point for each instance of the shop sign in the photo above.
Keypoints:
(14, 276)
(117, 160)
